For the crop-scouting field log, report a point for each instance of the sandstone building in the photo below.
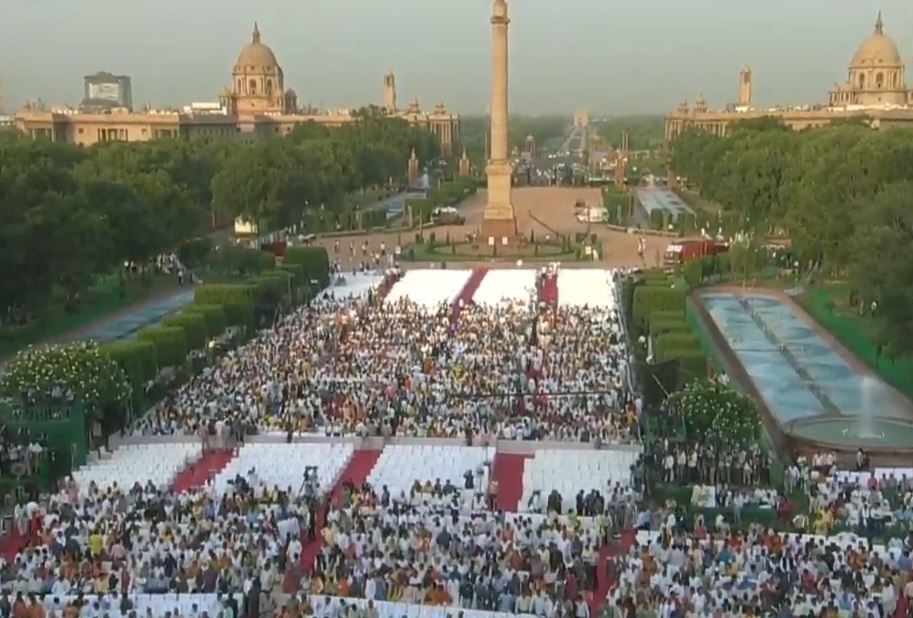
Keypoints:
(257, 104)
(875, 89)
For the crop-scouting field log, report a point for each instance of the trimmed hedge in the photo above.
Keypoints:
(214, 315)
(126, 353)
(676, 341)
(194, 326)
(170, 344)
(648, 299)
(314, 260)
(664, 326)
(236, 299)
(296, 271)
(280, 282)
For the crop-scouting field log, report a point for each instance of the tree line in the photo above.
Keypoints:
(841, 194)
(72, 213)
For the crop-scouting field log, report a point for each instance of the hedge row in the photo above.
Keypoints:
(314, 261)
(236, 300)
(658, 310)
(170, 344)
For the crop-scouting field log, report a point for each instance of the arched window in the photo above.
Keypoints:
(894, 80)
(252, 87)
(879, 80)
(862, 81)
(238, 89)
(269, 87)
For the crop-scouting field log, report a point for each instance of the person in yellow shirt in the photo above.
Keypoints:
(824, 522)
(96, 543)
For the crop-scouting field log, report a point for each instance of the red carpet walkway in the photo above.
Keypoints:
(548, 290)
(12, 544)
(466, 294)
(199, 473)
(508, 471)
(357, 472)
(614, 548)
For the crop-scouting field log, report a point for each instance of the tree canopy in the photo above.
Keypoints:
(71, 213)
(840, 193)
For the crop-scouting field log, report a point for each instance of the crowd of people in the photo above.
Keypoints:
(119, 540)
(418, 552)
(704, 571)
(349, 366)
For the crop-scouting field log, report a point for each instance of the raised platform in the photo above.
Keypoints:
(499, 229)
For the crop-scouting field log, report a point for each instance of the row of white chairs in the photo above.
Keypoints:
(430, 288)
(570, 471)
(587, 286)
(157, 604)
(284, 465)
(503, 285)
(388, 609)
(140, 463)
(400, 466)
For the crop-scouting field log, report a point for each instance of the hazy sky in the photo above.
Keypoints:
(611, 56)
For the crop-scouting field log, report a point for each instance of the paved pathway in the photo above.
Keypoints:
(124, 324)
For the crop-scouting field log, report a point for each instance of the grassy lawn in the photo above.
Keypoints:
(855, 332)
(101, 300)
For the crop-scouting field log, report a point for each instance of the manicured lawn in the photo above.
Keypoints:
(103, 299)
(855, 332)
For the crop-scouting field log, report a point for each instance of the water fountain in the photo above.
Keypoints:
(869, 389)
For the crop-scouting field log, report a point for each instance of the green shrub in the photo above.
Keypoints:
(170, 344)
(136, 353)
(296, 271)
(673, 342)
(693, 272)
(723, 263)
(237, 301)
(668, 322)
(316, 263)
(213, 314)
(194, 326)
(648, 299)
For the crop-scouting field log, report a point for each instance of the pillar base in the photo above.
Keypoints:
(499, 228)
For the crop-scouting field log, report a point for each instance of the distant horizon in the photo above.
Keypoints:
(626, 58)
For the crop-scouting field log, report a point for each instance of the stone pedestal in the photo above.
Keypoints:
(499, 228)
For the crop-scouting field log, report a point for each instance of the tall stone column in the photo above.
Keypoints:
(500, 219)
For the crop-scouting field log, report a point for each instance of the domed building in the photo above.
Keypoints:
(875, 91)
(258, 83)
(876, 74)
(255, 105)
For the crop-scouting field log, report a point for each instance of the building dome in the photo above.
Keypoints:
(256, 54)
(879, 50)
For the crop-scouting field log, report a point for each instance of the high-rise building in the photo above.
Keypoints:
(104, 91)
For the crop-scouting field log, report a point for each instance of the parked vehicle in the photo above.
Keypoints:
(683, 251)
(448, 216)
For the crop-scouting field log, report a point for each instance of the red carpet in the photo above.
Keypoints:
(199, 473)
(548, 290)
(466, 294)
(508, 471)
(614, 548)
(12, 544)
(357, 472)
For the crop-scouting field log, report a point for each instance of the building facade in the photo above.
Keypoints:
(105, 91)
(256, 105)
(875, 90)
